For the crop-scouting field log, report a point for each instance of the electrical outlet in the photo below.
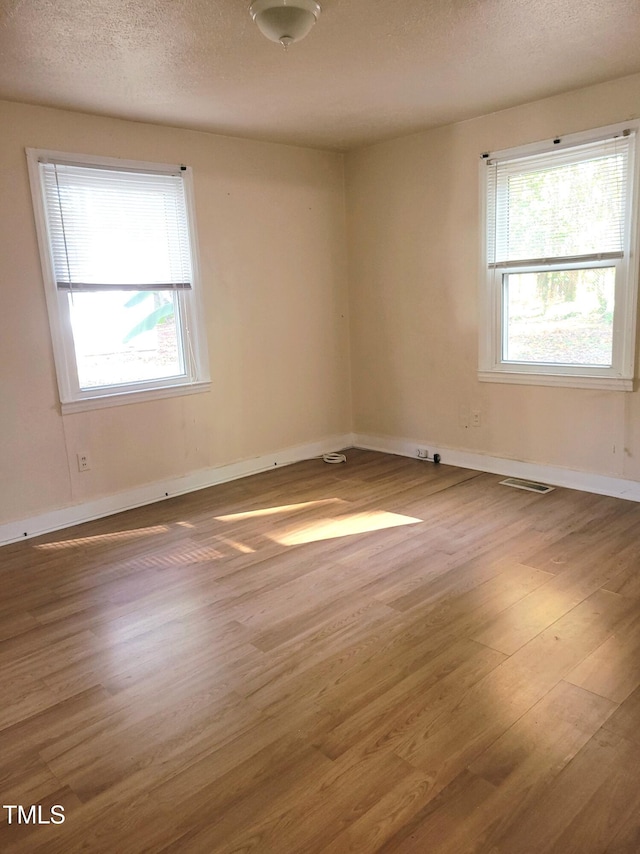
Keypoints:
(475, 418)
(83, 461)
(422, 453)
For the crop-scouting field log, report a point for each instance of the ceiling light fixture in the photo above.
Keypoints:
(285, 21)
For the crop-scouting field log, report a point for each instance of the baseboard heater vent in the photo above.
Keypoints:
(529, 485)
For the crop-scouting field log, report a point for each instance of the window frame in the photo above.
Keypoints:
(194, 353)
(620, 375)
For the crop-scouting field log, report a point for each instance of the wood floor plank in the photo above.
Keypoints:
(625, 721)
(26, 781)
(317, 810)
(394, 810)
(588, 803)
(23, 696)
(523, 762)
(424, 694)
(613, 669)
(626, 580)
(547, 735)
(526, 618)
(626, 839)
(378, 664)
(432, 828)
(187, 726)
(17, 624)
(493, 704)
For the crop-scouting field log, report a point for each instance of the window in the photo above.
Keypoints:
(560, 262)
(119, 263)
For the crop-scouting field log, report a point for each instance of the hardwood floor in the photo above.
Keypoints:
(380, 656)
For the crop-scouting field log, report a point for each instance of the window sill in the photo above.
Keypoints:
(103, 401)
(562, 380)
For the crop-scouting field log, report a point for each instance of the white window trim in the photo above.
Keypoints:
(620, 377)
(72, 398)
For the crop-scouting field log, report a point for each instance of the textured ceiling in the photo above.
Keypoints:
(369, 70)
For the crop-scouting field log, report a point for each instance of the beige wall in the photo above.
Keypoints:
(273, 262)
(413, 236)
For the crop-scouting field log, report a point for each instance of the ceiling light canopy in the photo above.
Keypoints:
(285, 21)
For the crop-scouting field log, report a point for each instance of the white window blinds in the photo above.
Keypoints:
(112, 229)
(563, 206)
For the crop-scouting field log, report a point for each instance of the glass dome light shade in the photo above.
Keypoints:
(285, 21)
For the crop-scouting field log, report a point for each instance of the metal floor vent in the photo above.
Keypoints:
(529, 485)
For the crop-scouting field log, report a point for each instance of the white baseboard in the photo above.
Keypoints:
(54, 520)
(554, 475)
(108, 505)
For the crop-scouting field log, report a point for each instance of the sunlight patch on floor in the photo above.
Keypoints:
(273, 511)
(355, 523)
(114, 536)
(240, 547)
